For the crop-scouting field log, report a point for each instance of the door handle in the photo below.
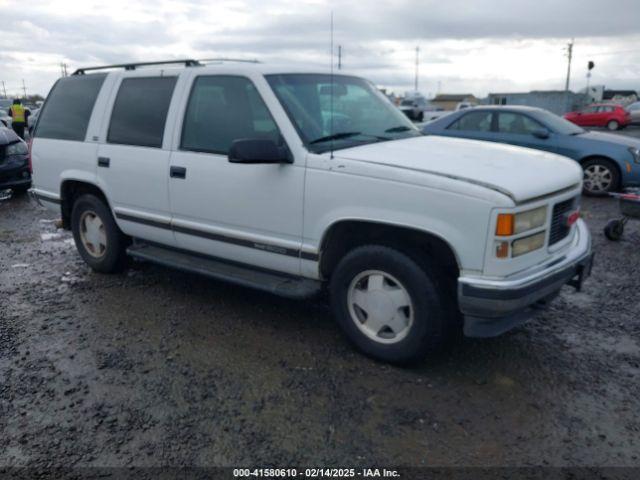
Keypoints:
(178, 172)
(104, 162)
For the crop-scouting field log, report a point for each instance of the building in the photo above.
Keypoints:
(623, 97)
(556, 101)
(449, 101)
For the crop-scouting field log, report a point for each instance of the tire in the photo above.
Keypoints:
(613, 125)
(595, 185)
(110, 259)
(429, 320)
(614, 230)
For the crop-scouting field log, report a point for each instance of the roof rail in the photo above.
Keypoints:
(226, 59)
(132, 66)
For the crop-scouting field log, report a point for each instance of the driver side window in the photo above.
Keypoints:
(222, 109)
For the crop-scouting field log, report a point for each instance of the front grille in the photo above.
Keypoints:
(559, 227)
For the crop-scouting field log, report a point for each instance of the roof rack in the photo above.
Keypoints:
(226, 59)
(132, 66)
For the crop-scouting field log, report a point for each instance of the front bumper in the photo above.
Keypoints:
(14, 173)
(493, 306)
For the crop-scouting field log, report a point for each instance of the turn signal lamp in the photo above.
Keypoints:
(505, 225)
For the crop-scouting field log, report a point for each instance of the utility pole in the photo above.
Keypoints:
(569, 56)
(417, 68)
(24, 89)
(63, 69)
(4, 89)
(339, 57)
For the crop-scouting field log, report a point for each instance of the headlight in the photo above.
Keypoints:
(527, 244)
(636, 154)
(18, 148)
(512, 224)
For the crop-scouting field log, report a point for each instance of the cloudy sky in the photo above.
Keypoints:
(476, 46)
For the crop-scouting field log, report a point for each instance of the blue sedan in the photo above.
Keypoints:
(609, 161)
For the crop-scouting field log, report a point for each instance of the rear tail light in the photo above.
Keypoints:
(29, 156)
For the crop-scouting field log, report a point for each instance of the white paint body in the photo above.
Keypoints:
(450, 188)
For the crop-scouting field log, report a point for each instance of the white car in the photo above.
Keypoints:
(233, 172)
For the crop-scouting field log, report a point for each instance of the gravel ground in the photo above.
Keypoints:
(156, 367)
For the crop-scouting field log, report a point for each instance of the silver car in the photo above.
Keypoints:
(634, 111)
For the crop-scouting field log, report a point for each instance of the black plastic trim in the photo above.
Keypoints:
(290, 252)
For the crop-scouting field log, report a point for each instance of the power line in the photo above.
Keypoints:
(610, 53)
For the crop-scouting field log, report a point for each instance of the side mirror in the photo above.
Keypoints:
(254, 150)
(541, 133)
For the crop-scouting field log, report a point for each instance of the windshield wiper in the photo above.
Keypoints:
(399, 128)
(335, 136)
(343, 135)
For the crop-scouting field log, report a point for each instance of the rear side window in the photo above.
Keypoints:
(66, 114)
(140, 111)
(473, 122)
(517, 124)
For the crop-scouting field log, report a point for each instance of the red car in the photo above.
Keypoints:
(601, 115)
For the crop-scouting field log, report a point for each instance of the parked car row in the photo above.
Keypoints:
(232, 171)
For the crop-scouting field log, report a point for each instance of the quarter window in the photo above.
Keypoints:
(222, 109)
(140, 111)
(66, 113)
(517, 124)
(473, 122)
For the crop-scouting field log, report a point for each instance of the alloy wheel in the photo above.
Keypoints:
(380, 306)
(598, 178)
(93, 234)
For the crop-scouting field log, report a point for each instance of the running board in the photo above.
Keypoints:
(279, 284)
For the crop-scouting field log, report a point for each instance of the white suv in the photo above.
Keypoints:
(288, 181)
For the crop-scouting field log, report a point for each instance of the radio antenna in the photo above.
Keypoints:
(331, 101)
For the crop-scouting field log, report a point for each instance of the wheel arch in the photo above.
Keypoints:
(345, 234)
(613, 161)
(70, 190)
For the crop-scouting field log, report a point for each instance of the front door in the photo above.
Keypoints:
(239, 212)
(518, 129)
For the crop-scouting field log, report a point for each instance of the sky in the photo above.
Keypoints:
(472, 46)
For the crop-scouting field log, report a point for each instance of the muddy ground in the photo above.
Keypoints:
(157, 367)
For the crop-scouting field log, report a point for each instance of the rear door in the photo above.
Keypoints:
(133, 157)
(476, 124)
(245, 213)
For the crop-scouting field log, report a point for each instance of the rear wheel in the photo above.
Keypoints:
(388, 305)
(98, 239)
(600, 177)
(613, 125)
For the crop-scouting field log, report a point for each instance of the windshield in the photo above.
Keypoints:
(355, 114)
(558, 124)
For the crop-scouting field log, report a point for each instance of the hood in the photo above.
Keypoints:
(622, 140)
(519, 173)
(7, 136)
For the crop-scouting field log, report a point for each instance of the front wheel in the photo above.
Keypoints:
(98, 239)
(388, 305)
(600, 176)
